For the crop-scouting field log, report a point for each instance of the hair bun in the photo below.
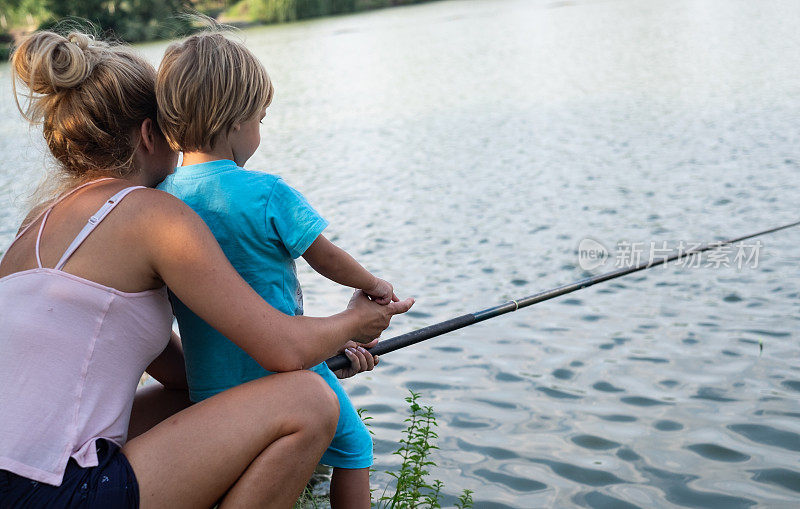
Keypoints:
(79, 39)
(49, 63)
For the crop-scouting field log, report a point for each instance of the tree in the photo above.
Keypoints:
(127, 20)
(5, 8)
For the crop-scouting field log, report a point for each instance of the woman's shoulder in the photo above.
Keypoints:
(154, 205)
(154, 196)
(152, 213)
(160, 219)
(33, 215)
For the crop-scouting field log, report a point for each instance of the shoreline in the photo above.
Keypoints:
(11, 36)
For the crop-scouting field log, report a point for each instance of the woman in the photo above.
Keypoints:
(84, 312)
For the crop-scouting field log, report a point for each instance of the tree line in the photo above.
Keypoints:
(144, 20)
(278, 11)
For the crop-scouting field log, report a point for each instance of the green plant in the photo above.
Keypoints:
(465, 500)
(313, 496)
(308, 500)
(412, 489)
(362, 413)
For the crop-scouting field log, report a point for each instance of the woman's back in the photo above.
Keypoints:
(70, 342)
(111, 256)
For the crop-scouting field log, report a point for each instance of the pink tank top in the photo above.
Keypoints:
(71, 355)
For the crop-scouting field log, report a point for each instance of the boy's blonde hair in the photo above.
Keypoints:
(206, 85)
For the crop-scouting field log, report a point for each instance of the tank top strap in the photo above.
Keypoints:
(39, 235)
(101, 214)
(46, 211)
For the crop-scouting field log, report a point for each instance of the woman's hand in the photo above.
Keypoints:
(360, 359)
(374, 318)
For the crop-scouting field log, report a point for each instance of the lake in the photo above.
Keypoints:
(463, 149)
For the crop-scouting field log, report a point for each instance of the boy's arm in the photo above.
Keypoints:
(335, 264)
(168, 368)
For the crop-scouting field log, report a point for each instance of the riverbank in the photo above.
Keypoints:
(131, 22)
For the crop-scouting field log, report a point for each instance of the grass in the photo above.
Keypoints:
(412, 488)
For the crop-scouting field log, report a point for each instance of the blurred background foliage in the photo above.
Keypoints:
(277, 11)
(144, 20)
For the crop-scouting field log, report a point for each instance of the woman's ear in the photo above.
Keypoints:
(147, 135)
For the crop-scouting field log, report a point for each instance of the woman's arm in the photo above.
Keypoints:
(185, 255)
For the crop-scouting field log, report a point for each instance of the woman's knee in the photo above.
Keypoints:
(309, 402)
(320, 398)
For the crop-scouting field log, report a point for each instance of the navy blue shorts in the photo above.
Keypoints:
(109, 485)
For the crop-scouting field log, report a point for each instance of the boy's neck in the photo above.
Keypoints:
(205, 157)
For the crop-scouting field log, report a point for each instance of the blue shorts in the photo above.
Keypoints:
(109, 485)
(352, 445)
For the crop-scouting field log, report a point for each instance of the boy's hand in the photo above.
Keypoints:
(360, 359)
(374, 318)
(382, 292)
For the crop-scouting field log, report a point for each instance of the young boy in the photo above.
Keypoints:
(212, 95)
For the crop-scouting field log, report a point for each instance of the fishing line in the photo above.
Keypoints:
(390, 345)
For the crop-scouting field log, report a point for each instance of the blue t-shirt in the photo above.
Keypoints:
(262, 225)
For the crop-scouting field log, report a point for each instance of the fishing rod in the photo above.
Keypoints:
(390, 345)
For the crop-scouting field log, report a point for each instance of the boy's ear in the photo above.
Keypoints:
(147, 135)
(236, 127)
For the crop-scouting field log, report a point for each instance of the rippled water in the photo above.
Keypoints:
(462, 150)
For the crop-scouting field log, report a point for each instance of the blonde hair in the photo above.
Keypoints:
(206, 85)
(90, 98)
